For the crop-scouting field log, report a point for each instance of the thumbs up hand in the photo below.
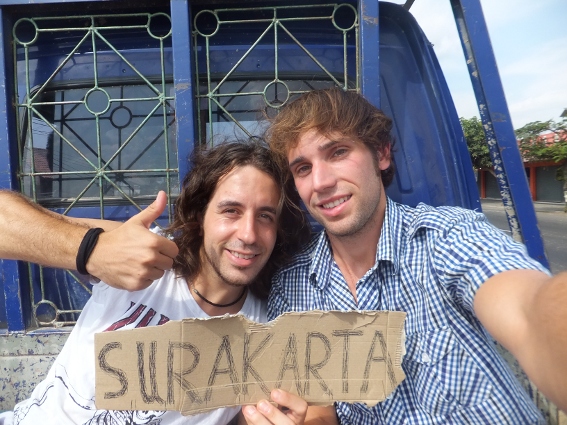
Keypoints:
(131, 257)
(151, 213)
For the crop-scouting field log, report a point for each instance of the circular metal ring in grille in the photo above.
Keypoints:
(97, 101)
(203, 20)
(276, 102)
(340, 15)
(22, 30)
(156, 28)
(121, 117)
(45, 310)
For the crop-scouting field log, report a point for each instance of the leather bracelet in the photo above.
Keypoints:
(86, 248)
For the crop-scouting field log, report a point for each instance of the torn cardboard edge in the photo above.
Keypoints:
(197, 365)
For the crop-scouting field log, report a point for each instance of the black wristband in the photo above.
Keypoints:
(86, 248)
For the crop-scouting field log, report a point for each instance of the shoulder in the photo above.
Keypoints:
(103, 293)
(443, 217)
(303, 259)
(463, 239)
(440, 219)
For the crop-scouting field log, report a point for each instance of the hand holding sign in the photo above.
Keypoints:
(292, 410)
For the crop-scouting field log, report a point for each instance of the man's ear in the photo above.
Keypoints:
(384, 158)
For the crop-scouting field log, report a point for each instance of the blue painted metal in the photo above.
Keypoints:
(183, 82)
(455, 132)
(7, 150)
(498, 127)
(13, 297)
(432, 161)
(368, 13)
(24, 2)
(13, 314)
(5, 168)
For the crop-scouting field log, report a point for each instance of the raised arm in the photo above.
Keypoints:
(126, 256)
(525, 310)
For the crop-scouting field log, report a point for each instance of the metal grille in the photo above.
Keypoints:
(96, 134)
(252, 61)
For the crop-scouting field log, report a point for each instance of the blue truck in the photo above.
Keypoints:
(101, 103)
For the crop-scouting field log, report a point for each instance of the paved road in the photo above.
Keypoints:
(552, 225)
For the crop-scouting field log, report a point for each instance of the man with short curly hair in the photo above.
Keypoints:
(456, 276)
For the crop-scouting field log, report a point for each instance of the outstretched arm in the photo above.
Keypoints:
(293, 410)
(32, 233)
(525, 311)
(126, 256)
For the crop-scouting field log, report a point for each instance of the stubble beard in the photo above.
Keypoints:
(363, 219)
(356, 227)
(225, 279)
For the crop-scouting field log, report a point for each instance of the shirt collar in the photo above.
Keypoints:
(390, 236)
(388, 247)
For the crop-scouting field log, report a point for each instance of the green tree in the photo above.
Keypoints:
(534, 147)
(476, 142)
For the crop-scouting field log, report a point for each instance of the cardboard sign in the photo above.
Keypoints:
(196, 365)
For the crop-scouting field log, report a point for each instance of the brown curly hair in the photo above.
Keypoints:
(333, 111)
(208, 166)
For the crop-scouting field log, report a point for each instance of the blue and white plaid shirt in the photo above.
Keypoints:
(430, 262)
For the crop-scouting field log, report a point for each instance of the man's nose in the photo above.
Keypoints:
(323, 177)
(247, 231)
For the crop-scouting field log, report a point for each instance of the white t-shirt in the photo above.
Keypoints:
(66, 396)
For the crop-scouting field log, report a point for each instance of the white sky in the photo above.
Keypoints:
(530, 46)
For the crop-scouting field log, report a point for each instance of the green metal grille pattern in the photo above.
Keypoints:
(235, 103)
(104, 139)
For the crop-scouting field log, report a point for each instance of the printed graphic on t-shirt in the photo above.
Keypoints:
(139, 315)
(135, 315)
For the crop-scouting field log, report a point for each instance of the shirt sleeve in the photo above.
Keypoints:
(157, 230)
(471, 251)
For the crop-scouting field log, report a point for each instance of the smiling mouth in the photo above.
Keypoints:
(243, 256)
(337, 202)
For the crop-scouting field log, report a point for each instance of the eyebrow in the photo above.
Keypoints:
(328, 145)
(231, 203)
(323, 147)
(296, 161)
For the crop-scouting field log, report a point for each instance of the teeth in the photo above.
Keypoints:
(243, 256)
(335, 203)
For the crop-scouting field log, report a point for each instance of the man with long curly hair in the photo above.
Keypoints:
(236, 221)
